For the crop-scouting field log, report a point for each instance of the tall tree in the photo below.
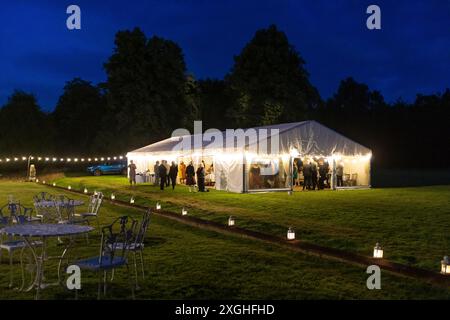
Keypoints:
(77, 117)
(148, 91)
(25, 128)
(351, 97)
(215, 99)
(271, 81)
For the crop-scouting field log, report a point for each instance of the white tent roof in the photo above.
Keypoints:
(307, 137)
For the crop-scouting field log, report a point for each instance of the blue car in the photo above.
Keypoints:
(108, 168)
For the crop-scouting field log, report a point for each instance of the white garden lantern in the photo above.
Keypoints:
(377, 251)
(37, 180)
(54, 184)
(290, 234)
(132, 200)
(445, 265)
(43, 182)
(85, 190)
(158, 206)
(231, 221)
(184, 212)
(95, 193)
(113, 197)
(69, 187)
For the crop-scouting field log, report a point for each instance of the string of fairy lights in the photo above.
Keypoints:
(60, 159)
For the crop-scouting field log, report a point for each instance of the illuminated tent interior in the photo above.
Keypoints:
(248, 167)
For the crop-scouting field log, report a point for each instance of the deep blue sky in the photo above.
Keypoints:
(410, 54)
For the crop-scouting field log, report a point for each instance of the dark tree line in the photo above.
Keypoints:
(149, 93)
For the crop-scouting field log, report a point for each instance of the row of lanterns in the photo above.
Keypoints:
(377, 250)
(378, 253)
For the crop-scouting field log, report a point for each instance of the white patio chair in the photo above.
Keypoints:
(94, 204)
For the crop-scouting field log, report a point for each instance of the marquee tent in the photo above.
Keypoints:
(264, 163)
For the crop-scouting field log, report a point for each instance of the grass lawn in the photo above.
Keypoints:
(183, 262)
(412, 224)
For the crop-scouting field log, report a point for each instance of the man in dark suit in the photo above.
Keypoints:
(307, 175)
(162, 175)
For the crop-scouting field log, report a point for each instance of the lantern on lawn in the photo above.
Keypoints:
(290, 234)
(85, 190)
(183, 212)
(158, 206)
(95, 193)
(69, 188)
(231, 221)
(132, 200)
(54, 184)
(37, 180)
(113, 197)
(290, 193)
(445, 265)
(377, 251)
(43, 182)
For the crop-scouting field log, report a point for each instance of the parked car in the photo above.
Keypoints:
(108, 168)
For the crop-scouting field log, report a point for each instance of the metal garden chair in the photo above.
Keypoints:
(17, 214)
(43, 196)
(95, 201)
(114, 247)
(65, 209)
(137, 246)
(46, 213)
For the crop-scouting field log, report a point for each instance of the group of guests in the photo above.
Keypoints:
(316, 174)
(166, 175)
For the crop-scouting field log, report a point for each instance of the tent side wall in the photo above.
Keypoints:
(229, 172)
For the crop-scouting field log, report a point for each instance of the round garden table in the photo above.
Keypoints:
(44, 232)
(43, 206)
(48, 203)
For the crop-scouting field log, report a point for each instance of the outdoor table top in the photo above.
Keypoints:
(49, 203)
(45, 230)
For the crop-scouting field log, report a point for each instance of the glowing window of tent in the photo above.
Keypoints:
(377, 251)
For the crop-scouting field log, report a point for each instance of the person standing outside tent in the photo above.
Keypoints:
(323, 172)
(201, 178)
(294, 175)
(166, 164)
(182, 172)
(190, 176)
(132, 173)
(314, 175)
(339, 175)
(162, 175)
(307, 175)
(156, 171)
(173, 172)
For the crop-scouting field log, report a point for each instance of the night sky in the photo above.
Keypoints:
(411, 54)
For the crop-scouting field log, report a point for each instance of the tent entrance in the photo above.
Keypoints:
(264, 173)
